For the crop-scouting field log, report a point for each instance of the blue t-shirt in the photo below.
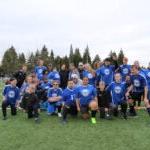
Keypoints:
(39, 70)
(105, 73)
(125, 70)
(85, 94)
(118, 91)
(54, 92)
(90, 77)
(138, 82)
(69, 96)
(54, 75)
(45, 86)
(147, 75)
(11, 94)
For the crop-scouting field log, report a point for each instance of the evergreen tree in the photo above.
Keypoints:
(86, 56)
(44, 55)
(10, 61)
(31, 62)
(71, 55)
(21, 59)
(52, 58)
(96, 59)
(77, 57)
(120, 57)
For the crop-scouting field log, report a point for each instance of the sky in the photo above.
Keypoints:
(103, 25)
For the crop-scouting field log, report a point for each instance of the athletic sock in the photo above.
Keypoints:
(93, 113)
(148, 110)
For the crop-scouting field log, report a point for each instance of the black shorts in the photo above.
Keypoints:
(84, 109)
(137, 96)
(72, 109)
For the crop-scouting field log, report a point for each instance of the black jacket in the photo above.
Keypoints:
(29, 100)
(64, 75)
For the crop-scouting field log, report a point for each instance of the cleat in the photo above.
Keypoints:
(93, 120)
(59, 115)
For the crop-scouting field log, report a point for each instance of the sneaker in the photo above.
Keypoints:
(59, 115)
(93, 120)
(64, 122)
(108, 117)
(125, 116)
(37, 120)
(4, 118)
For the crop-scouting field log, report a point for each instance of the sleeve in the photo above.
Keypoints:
(4, 91)
(94, 92)
(77, 93)
(108, 89)
(64, 96)
(61, 92)
(23, 103)
(49, 94)
(17, 94)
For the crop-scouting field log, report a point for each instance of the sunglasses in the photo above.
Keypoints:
(55, 84)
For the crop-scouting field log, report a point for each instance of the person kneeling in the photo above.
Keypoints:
(69, 101)
(104, 98)
(86, 100)
(30, 103)
(118, 91)
(10, 98)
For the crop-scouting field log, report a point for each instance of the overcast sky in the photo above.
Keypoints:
(102, 24)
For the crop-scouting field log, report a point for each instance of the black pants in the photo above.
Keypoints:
(32, 111)
(137, 98)
(114, 108)
(69, 110)
(5, 104)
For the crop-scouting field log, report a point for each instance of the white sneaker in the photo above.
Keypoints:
(59, 115)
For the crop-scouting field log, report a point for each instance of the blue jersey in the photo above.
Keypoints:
(138, 82)
(90, 77)
(45, 86)
(54, 75)
(85, 94)
(69, 96)
(117, 91)
(125, 70)
(39, 71)
(147, 75)
(11, 94)
(54, 92)
(105, 73)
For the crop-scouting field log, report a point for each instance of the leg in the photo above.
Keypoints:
(4, 106)
(30, 112)
(35, 110)
(102, 112)
(93, 106)
(85, 112)
(147, 103)
(13, 110)
(124, 109)
(65, 112)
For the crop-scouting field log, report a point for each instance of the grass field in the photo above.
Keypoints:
(18, 133)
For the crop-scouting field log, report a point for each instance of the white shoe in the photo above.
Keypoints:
(59, 115)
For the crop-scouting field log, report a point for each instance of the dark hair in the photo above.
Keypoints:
(12, 79)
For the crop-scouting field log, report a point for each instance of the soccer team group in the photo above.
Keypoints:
(108, 89)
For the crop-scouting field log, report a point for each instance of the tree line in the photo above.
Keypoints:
(12, 60)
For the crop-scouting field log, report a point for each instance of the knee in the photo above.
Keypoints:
(93, 105)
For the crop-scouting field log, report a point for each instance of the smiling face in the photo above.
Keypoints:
(102, 85)
(125, 60)
(13, 82)
(70, 84)
(85, 81)
(117, 77)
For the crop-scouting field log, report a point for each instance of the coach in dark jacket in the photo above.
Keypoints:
(64, 75)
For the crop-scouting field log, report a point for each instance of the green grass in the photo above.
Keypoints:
(19, 133)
